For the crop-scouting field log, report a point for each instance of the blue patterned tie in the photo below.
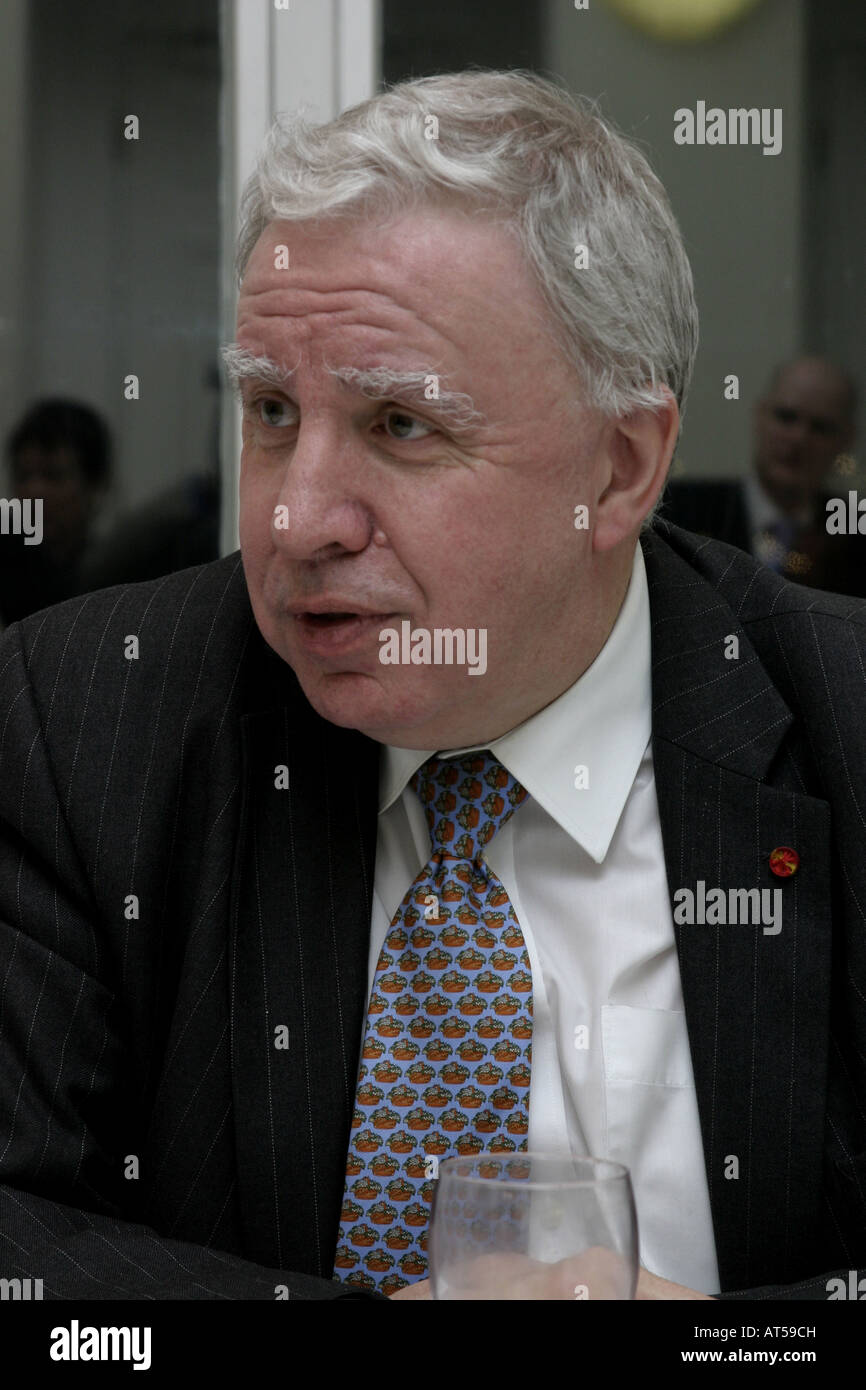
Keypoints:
(445, 1065)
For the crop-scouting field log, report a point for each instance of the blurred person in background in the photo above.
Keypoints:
(803, 424)
(59, 452)
(176, 528)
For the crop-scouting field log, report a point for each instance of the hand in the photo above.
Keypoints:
(420, 1289)
(652, 1286)
(649, 1287)
(594, 1274)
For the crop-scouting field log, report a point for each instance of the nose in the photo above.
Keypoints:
(800, 430)
(318, 510)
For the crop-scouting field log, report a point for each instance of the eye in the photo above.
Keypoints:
(402, 423)
(269, 412)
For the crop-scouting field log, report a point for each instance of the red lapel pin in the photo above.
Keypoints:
(784, 861)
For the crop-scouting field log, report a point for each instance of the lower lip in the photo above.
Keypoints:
(330, 639)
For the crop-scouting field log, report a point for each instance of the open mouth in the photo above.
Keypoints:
(324, 620)
(332, 632)
(327, 619)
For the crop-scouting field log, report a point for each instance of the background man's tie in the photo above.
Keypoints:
(779, 542)
(445, 1064)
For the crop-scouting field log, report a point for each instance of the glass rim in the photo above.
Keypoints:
(617, 1172)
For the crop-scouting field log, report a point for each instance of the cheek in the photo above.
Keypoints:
(256, 496)
(256, 553)
(255, 550)
(250, 483)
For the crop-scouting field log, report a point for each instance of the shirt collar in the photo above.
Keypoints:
(602, 722)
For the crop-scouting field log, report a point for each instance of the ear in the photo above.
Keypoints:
(638, 452)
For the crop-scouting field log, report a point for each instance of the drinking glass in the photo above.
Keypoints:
(533, 1226)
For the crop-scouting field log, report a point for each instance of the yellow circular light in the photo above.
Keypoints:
(682, 19)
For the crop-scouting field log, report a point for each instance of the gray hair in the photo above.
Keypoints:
(515, 146)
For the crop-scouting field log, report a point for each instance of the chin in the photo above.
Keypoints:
(353, 700)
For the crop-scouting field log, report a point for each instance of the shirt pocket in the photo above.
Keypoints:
(648, 1079)
(648, 1046)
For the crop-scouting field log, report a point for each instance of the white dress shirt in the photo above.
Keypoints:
(585, 871)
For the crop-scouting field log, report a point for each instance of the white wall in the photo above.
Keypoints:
(740, 211)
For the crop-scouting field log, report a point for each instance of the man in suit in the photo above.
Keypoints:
(211, 793)
(804, 423)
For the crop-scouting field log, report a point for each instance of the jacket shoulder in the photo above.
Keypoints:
(811, 643)
(165, 628)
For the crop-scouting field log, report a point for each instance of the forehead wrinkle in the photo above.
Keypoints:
(357, 333)
(287, 295)
(369, 308)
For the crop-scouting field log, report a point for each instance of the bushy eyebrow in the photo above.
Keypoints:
(454, 408)
(242, 365)
(424, 387)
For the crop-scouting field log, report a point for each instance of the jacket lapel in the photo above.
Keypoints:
(756, 1001)
(302, 899)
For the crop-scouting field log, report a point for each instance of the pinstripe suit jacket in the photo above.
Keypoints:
(164, 907)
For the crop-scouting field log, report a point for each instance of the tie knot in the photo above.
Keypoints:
(466, 800)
